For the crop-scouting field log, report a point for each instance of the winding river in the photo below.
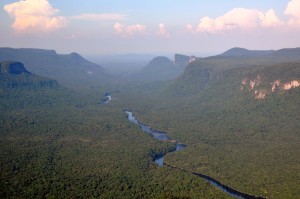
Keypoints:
(159, 159)
(107, 99)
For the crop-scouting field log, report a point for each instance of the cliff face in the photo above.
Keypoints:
(183, 60)
(261, 92)
(70, 70)
(262, 82)
(158, 69)
(14, 75)
(258, 73)
(14, 68)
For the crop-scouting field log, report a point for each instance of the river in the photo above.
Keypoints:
(107, 99)
(159, 159)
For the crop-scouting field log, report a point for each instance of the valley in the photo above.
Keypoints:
(237, 113)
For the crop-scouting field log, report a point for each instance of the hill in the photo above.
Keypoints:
(20, 88)
(158, 69)
(13, 75)
(239, 116)
(291, 53)
(202, 71)
(61, 143)
(234, 52)
(163, 69)
(71, 70)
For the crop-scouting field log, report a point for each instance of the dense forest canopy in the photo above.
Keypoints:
(238, 113)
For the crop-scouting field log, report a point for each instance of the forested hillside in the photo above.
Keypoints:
(71, 70)
(237, 114)
(199, 73)
(58, 143)
(156, 99)
(240, 122)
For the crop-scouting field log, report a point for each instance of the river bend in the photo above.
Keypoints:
(159, 159)
(106, 99)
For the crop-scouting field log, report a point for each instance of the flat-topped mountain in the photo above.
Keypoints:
(13, 75)
(163, 69)
(292, 53)
(71, 69)
(183, 60)
(205, 72)
(245, 52)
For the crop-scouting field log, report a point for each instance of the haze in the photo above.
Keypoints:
(95, 28)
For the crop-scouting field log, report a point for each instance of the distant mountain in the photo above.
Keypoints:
(158, 69)
(205, 72)
(183, 60)
(13, 68)
(246, 53)
(20, 89)
(70, 70)
(123, 58)
(159, 63)
(13, 75)
(286, 53)
(163, 69)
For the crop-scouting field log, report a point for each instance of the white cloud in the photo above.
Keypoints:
(270, 19)
(249, 19)
(162, 32)
(34, 16)
(131, 30)
(239, 18)
(189, 27)
(100, 17)
(293, 11)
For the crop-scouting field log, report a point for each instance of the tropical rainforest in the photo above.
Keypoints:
(237, 112)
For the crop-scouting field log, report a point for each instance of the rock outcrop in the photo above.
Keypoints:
(14, 75)
(183, 60)
(14, 68)
(261, 92)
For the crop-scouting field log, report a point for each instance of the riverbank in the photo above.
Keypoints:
(159, 158)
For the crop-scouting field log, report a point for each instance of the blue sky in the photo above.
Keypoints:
(103, 27)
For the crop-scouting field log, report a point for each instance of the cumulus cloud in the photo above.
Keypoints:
(270, 19)
(293, 11)
(162, 32)
(239, 18)
(131, 30)
(100, 17)
(34, 16)
(247, 19)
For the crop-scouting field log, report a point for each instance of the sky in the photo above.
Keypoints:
(109, 27)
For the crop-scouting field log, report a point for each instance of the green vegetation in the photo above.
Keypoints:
(249, 144)
(70, 70)
(62, 143)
